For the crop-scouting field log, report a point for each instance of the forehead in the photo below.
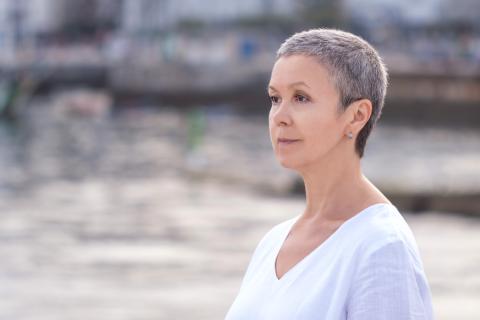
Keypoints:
(300, 68)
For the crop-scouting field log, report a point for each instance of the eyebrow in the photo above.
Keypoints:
(297, 83)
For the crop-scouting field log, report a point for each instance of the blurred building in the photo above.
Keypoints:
(465, 12)
(373, 14)
(21, 20)
(155, 15)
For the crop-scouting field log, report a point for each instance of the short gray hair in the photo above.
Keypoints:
(357, 70)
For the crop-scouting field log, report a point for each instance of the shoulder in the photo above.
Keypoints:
(274, 234)
(385, 232)
(388, 279)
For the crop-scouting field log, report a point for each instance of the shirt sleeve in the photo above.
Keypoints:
(387, 286)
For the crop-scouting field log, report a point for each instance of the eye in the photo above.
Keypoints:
(274, 99)
(301, 98)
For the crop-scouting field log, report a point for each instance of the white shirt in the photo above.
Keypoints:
(368, 269)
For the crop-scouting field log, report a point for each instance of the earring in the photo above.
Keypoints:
(350, 135)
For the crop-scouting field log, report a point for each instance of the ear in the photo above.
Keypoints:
(360, 112)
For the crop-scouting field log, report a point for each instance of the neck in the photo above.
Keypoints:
(329, 183)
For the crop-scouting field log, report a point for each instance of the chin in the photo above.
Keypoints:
(288, 163)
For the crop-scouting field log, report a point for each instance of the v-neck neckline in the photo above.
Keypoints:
(323, 244)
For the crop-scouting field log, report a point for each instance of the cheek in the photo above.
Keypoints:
(271, 126)
(272, 137)
(322, 134)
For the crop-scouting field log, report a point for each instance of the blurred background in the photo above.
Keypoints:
(136, 172)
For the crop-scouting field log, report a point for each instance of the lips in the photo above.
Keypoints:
(286, 141)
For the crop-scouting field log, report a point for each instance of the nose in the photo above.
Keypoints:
(280, 115)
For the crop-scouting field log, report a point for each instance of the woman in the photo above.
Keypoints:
(350, 255)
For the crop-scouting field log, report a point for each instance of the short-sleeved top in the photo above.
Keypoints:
(368, 269)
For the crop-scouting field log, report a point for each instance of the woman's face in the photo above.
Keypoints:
(304, 112)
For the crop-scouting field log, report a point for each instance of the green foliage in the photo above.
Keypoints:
(196, 128)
